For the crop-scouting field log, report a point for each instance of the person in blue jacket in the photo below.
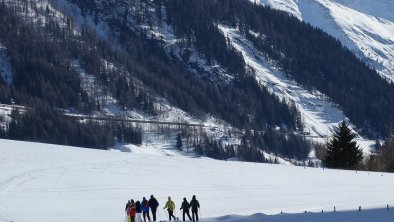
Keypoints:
(145, 209)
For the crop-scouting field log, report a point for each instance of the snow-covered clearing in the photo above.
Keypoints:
(94, 88)
(364, 26)
(319, 115)
(42, 182)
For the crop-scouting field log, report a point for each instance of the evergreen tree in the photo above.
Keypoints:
(383, 160)
(179, 142)
(342, 150)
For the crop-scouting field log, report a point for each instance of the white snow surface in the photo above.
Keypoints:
(364, 26)
(283, 5)
(42, 182)
(376, 215)
(377, 8)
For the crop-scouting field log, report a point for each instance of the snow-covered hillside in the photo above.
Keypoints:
(319, 115)
(64, 10)
(377, 8)
(364, 26)
(41, 182)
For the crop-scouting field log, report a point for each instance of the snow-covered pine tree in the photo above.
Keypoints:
(342, 150)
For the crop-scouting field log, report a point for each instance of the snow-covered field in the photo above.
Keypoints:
(375, 215)
(42, 182)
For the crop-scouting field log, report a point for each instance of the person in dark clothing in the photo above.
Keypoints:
(138, 207)
(153, 204)
(195, 205)
(185, 207)
(138, 211)
(128, 204)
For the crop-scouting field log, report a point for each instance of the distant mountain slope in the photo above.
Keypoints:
(364, 26)
(270, 78)
(127, 62)
(377, 8)
(319, 115)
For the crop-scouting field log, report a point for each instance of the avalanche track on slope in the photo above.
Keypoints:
(42, 182)
(319, 115)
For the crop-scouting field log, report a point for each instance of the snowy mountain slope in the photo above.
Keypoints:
(63, 11)
(73, 184)
(284, 5)
(365, 27)
(373, 36)
(376, 8)
(319, 115)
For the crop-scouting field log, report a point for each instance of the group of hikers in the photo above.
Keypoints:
(134, 210)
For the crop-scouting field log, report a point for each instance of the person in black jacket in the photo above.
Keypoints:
(138, 211)
(153, 204)
(195, 205)
(185, 206)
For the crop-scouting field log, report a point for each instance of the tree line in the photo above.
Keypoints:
(44, 124)
(343, 152)
(383, 158)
